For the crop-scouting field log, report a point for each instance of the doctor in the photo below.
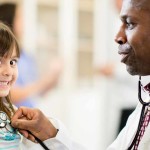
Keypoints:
(134, 47)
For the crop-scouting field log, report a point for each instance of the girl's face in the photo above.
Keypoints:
(8, 72)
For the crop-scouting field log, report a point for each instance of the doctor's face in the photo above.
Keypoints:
(133, 36)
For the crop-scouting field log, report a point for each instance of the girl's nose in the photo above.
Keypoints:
(7, 70)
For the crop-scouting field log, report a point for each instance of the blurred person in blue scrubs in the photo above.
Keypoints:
(29, 85)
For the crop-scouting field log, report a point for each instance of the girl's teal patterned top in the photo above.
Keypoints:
(10, 139)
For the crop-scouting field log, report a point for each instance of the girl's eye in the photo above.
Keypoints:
(13, 62)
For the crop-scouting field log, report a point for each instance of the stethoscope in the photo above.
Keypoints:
(144, 104)
(40, 142)
(4, 121)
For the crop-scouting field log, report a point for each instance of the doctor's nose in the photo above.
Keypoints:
(121, 37)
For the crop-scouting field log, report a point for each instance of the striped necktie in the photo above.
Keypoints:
(145, 123)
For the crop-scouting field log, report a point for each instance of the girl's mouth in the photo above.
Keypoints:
(4, 83)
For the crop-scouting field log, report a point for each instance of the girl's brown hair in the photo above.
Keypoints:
(8, 43)
(7, 13)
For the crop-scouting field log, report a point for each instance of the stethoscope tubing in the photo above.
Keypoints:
(40, 142)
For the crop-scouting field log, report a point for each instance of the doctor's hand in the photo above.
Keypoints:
(33, 120)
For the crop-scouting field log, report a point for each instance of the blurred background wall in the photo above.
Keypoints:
(81, 32)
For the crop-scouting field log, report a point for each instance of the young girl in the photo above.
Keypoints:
(10, 138)
(9, 54)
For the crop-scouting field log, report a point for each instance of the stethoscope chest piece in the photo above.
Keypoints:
(3, 119)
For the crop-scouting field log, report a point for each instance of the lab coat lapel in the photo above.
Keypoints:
(133, 126)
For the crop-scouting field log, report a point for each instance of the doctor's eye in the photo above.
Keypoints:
(130, 25)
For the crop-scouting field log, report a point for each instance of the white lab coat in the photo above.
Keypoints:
(126, 136)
